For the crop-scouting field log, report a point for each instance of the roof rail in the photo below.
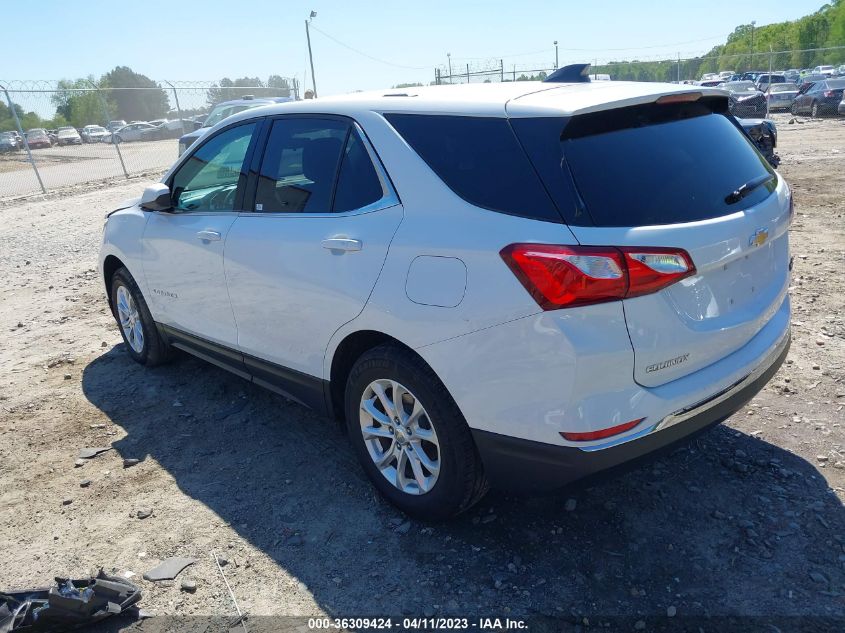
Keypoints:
(574, 73)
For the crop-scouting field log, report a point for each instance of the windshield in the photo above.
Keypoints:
(222, 111)
(783, 88)
(695, 158)
(836, 83)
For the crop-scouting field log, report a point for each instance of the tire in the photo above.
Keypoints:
(460, 482)
(150, 348)
(815, 109)
(117, 140)
(794, 109)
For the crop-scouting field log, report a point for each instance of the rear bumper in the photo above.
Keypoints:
(523, 465)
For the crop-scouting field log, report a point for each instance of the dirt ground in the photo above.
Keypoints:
(746, 521)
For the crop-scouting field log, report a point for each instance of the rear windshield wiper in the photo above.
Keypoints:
(741, 192)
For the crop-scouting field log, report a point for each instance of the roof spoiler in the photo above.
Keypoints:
(574, 73)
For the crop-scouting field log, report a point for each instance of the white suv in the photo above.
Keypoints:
(516, 284)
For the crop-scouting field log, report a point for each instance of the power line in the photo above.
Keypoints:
(363, 54)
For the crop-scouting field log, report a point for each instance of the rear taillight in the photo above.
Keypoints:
(652, 269)
(569, 276)
(829, 93)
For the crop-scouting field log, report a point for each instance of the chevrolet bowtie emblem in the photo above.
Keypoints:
(759, 237)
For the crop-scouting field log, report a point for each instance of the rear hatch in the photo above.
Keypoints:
(667, 175)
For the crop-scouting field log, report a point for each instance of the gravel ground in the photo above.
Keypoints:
(747, 520)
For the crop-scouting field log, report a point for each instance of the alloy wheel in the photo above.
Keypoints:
(399, 436)
(130, 320)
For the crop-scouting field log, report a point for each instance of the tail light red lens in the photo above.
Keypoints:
(569, 276)
(652, 269)
(828, 93)
(601, 433)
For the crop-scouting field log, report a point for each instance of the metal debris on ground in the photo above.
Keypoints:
(169, 568)
(90, 453)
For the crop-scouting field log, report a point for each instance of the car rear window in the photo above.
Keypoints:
(480, 159)
(648, 165)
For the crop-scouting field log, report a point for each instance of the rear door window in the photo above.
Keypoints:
(480, 159)
(300, 165)
(652, 164)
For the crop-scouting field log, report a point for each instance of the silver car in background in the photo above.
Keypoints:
(781, 96)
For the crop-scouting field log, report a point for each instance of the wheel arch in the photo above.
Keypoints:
(349, 350)
(111, 264)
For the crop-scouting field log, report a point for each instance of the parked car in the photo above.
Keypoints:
(780, 96)
(751, 75)
(745, 100)
(38, 138)
(68, 136)
(174, 128)
(826, 70)
(134, 132)
(820, 98)
(94, 134)
(421, 271)
(711, 83)
(113, 126)
(793, 75)
(841, 107)
(223, 110)
(763, 133)
(8, 142)
(809, 80)
(764, 81)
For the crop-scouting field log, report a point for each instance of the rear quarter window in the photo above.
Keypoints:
(480, 159)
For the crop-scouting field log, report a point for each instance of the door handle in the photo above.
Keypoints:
(342, 244)
(208, 236)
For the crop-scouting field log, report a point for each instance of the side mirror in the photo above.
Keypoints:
(156, 198)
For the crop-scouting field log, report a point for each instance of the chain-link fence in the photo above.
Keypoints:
(658, 69)
(56, 134)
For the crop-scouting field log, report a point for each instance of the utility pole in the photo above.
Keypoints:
(556, 58)
(753, 24)
(679, 68)
(310, 56)
(449, 57)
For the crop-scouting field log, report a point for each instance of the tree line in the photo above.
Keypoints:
(125, 94)
(748, 48)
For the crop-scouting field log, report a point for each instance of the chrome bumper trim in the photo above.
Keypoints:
(708, 403)
(702, 405)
